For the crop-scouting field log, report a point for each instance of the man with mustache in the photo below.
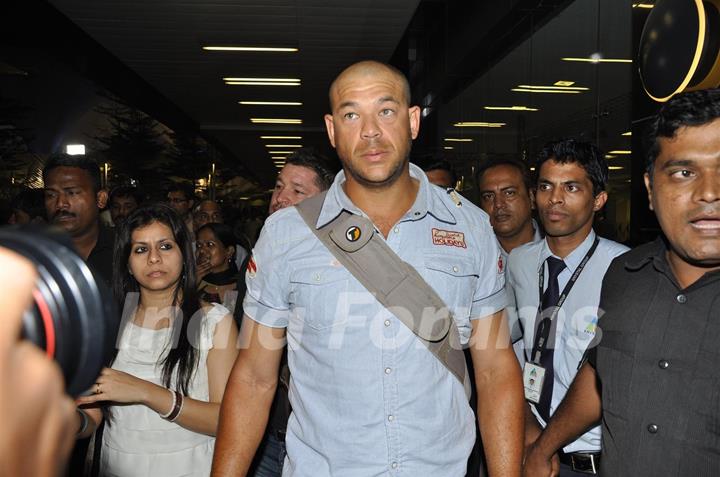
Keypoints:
(556, 286)
(73, 200)
(653, 378)
(368, 397)
(507, 196)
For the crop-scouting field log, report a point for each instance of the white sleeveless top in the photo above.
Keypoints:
(138, 442)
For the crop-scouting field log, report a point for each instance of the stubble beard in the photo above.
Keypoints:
(386, 183)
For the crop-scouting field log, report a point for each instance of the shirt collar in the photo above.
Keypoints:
(573, 259)
(654, 254)
(426, 202)
(537, 236)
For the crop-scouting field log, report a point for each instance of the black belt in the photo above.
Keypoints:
(587, 463)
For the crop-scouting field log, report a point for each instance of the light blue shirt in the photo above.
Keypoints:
(368, 398)
(576, 320)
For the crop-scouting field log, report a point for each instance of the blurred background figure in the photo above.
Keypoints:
(439, 172)
(28, 207)
(122, 202)
(217, 272)
(207, 212)
(182, 198)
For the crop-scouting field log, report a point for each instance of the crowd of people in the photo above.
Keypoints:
(583, 356)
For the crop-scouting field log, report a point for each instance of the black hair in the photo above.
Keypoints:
(505, 161)
(30, 201)
(185, 189)
(126, 191)
(83, 162)
(685, 109)
(310, 158)
(585, 154)
(223, 233)
(182, 359)
(438, 163)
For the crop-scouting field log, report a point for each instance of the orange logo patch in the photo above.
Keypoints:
(252, 267)
(448, 238)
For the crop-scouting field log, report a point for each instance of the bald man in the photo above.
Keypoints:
(368, 397)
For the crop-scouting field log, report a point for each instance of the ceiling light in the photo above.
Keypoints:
(278, 157)
(280, 137)
(452, 139)
(283, 145)
(551, 91)
(609, 156)
(554, 87)
(270, 103)
(629, 133)
(598, 60)
(510, 108)
(478, 124)
(259, 83)
(275, 121)
(642, 5)
(75, 149)
(449, 148)
(274, 80)
(620, 152)
(564, 83)
(616, 168)
(281, 152)
(532, 169)
(248, 48)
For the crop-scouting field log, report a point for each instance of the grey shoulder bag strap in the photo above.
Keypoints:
(395, 284)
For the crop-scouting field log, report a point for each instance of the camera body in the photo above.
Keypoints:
(73, 316)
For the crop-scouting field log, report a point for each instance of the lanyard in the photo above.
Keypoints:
(543, 331)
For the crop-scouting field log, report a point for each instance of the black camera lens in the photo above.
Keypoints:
(73, 316)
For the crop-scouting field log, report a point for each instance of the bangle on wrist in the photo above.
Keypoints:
(177, 409)
(84, 421)
(172, 407)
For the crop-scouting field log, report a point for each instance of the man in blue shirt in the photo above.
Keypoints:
(368, 398)
(572, 178)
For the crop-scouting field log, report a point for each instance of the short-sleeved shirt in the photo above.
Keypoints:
(658, 364)
(577, 319)
(368, 398)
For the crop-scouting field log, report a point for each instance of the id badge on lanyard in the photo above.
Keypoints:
(533, 380)
(533, 373)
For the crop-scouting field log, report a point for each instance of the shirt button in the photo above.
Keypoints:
(652, 428)
(317, 277)
(394, 465)
(396, 230)
(455, 269)
(387, 322)
(388, 370)
(417, 213)
(681, 298)
(663, 364)
(391, 418)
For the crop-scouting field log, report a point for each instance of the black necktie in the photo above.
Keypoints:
(549, 302)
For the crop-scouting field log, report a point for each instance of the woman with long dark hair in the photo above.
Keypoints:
(174, 357)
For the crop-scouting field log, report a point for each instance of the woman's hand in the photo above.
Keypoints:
(117, 386)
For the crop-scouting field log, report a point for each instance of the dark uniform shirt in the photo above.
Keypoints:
(658, 362)
(100, 260)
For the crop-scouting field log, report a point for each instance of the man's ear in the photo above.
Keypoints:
(414, 113)
(648, 186)
(330, 126)
(102, 198)
(600, 201)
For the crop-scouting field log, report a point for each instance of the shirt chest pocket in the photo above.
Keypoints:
(454, 279)
(315, 292)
